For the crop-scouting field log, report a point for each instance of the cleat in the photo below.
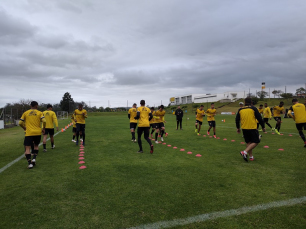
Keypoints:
(166, 134)
(207, 132)
(251, 158)
(196, 130)
(45, 150)
(81, 139)
(140, 151)
(276, 131)
(215, 136)
(135, 140)
(53, 147)
(151, 151)
(273, 129)
(73, 140)
(156, 142)
(77, 143)
(30, 166)
(162, 139)
(34, 162)
(244, 155)
(198, 133)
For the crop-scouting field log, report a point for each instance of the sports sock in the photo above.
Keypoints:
(269, 125)
(156, 135)
(214, 133)
(28, 156)
(73, 137)
(252, 157)
(52, 144)
(44, 145)
(35, 153)
(133, 135)
(152, 131)
(302, 135)
(83, 138)
(162, 133)
(245, 152)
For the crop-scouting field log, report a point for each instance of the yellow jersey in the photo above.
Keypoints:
(267, 112)
(200, 114)
(31, 119)
(299, 113)
(211, 114)
(144, 116)
(133, 113)
(260, 111)
(73, 120)
(277, 111)
(51, 119)
(159, 116)
(248, 117)
(152, 121)
(80, 116)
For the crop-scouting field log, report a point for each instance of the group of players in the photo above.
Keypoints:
(31, 121)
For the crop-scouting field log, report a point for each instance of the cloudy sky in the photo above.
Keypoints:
(110, 52)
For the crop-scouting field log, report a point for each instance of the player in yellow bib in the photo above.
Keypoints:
(133, 122)
(277, 111)
(73, 127)
(51, 119)
(144, 116)
(260, 110)
(159, 119)
(200, 113)
(80, 114)
(210, 113)
(298, 112)
(30, 122)
(152, 122)
(267, 115)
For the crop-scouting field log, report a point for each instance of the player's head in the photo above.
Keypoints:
(134, 105)
(281, 104)
(248, 101)
(34, 104)
(212, 105)
(241, 104)
(152, 108)
(266, 105)
(260, 106)
(201, 107)
(80, 106)
(161, 107)
(142, 102)
(49, 107)
(179, 107)
(294, 101)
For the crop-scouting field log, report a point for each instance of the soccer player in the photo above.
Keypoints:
(298, 112)
(211, 112)
(73, 127)
(80, 114)
(152, 122)
(179, 117)
(51, 119)
(159, 119)
(30, 122)
(144, 116)
(267, 115)
(248, 116)
(277, 111)
(241, 104)
(200, 113)
(260, 110)
(133, 122)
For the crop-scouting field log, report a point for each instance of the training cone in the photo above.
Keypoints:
(224, 120)
(62, 130)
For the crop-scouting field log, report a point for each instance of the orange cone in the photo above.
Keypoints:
(224, 120)
(62, 130)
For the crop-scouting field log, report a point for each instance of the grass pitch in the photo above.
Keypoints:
(122, 189)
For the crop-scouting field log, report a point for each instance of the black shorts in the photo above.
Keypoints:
(28, 140)
(153, 125)
(74, 130)
(266, 119)
(300, 126)
(80, 127)
(277, 118)
(251, 136)
(145, 130)
(212, 123)
(159, 125)
(49, 131)
(197, 121)
(133, 125)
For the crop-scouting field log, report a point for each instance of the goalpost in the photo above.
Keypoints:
(62, 114)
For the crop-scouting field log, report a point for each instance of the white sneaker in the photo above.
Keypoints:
(156, 142)
(162, 139)
(81, 139)
(30, 166)
(33, 161)
(45, 150)
(53, 147)
(135, 140)
(73, 140)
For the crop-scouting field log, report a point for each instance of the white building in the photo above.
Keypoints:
(203, 98)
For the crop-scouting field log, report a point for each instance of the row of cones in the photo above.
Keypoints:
(66, 127)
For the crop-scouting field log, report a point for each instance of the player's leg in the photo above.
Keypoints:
(139, 133)
(214, 128)
(51, 133)
(196, 126)
(77, 133)
(45, 139)
(36, 140)
(74, 133)
(299, 127)
(153, 129)
(83, 133)
(162, 133)
(157, 132)
(199, 129)
(209, 127)
(132, 128)
(27, 144)
(267, 122)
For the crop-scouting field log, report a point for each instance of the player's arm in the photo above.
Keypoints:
(238, 121)
(85, 114)
(129, 116)
(21, 122)
(259, 118)
(44, 122)
(55, 121)
(137, 115)
(150, 116)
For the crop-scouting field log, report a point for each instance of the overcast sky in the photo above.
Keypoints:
(110, 52)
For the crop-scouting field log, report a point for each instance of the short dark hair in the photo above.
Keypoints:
(260, 105)
(152, 108)
(201, 106)
(281, 102)
(248, 101)
(294, 100)
(162, 106)
(80, 105)
(142, 102)
(49, 105)
(212, 103)
(134, 104)
(34, 103)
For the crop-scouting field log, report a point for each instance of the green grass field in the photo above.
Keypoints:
(122, 189)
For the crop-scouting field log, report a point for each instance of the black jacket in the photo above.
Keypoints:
(179, 114)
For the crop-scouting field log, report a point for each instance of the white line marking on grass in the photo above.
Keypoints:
(22, 156)
(221, 214)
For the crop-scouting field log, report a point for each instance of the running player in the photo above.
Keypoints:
(30, 122)
(159, 119)
(73, 127)
(152, 122)
(248, 116)
(298, 113)
(133, 122)
(277, 111)
(267, 115)
(200, 113)
(211, 112)
(80, 114)
(260, 110)
(144, 116)
(51, 119)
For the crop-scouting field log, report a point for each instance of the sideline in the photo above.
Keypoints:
(221, 214)
(22, 156)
